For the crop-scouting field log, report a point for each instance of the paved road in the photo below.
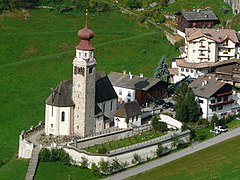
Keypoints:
(177, 155)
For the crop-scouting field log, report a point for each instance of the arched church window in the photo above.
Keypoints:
(85, 55)
(63, 116)
(79, 54)
(90, 70)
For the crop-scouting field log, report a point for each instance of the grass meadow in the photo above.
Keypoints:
(37, 48)
(220, 161)
(57, 171)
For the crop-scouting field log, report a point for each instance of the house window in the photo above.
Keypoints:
(103, 108)
(63, 116)
(129, 93)
(194, 42)
(90, 70)
(225, 98)
(194, 51)
(219, 99)
(52, 111)
(111, 106)
(213, 101)
(200, 101)
(182, 69)
(187, 70)
(85, 55)
(128, 100)
(213, 108)
(191, 71)
(120, 92)
(51, 125)
(220, 107)
(79, 54)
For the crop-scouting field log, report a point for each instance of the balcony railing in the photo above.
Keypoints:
(224, 94)
(222, 103)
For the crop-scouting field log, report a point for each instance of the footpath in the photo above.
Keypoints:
(166, 159)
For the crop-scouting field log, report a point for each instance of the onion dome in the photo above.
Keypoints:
(85, 35)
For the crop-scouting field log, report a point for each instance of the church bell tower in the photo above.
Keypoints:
(83, 91)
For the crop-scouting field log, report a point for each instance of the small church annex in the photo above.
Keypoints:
(86, 104)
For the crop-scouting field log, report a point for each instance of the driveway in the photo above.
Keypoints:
(176, 155)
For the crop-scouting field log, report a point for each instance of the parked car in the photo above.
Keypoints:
(166, 106)
(222, 128)
(170, 104)
(159, 102)
(215, 131)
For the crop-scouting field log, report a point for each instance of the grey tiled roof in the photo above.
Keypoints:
(104, 89)
(62, 95)
(128, 110)
(121, 80)
(202, 15)
(207, 90)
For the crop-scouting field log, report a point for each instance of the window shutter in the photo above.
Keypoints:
(75, 70)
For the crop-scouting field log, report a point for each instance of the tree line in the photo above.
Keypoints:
(61, 5)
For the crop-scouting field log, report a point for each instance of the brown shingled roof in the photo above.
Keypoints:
(217, 35)
(173, 71)
(128, 110)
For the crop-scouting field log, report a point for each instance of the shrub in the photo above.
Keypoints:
(104, 166)
(55, 155)
(94, 167)
(136, 159)
(116, 165)
(45, 155)
(102, 150)
(182, 145)
(84, 162)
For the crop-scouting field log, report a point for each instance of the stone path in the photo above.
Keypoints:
(32, 166)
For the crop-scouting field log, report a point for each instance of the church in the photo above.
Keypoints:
(85, 104)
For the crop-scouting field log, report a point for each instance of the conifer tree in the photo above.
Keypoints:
(162, 72)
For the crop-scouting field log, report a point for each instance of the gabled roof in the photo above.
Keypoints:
(206, 87)
(217, 35)
(128, 110)
(136, 82)
(199, 15)
(62, 95)
(104, 89)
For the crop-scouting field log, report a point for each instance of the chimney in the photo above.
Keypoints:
(204, 82)
(130, 75)
(141, 75)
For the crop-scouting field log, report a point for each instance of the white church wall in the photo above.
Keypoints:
(53, 120)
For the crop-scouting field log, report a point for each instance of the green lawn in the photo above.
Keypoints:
(145, 136)
(57, 171)
(220, 161)
(14, 169)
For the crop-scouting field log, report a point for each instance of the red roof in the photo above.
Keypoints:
(85, 35)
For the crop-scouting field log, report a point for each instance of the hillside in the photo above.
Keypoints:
(37, 48)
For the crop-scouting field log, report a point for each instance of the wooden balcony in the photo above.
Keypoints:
(222, 103)
(224, 94)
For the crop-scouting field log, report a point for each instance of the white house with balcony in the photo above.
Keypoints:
(204, 48)
(215, 97)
